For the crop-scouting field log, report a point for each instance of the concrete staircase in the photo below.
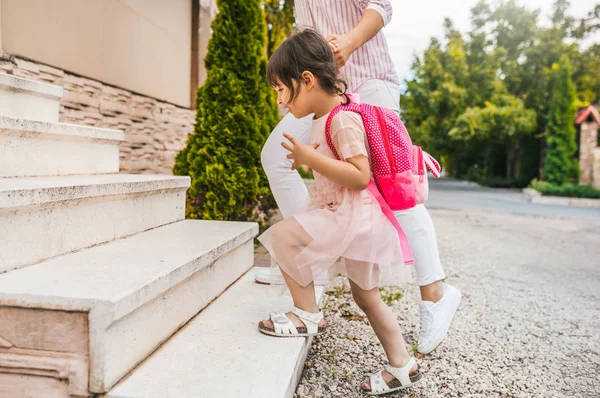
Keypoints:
(98, 270)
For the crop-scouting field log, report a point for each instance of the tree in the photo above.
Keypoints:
(236, 111)
(502, 121)
(560, 164)
(590, 24)
(437, 95)
(586, 69)
(509, 55)
(280, 22)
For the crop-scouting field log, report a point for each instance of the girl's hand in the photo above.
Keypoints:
(342, 48)
(301, 154)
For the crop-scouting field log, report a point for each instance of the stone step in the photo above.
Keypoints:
(42, 217)
(88, 318)
(33, 148)
(28, 99)
(221, 353)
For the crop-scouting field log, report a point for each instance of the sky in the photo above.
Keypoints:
(415, 22)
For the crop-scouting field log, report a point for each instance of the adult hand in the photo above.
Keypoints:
(299, 153)
(342, 47)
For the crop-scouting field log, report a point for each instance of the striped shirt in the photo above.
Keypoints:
(372, 60)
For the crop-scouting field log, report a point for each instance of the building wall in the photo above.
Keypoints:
(140, 45)
(134, 65)
(596, 172)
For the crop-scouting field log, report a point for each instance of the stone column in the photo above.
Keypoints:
(596, 176)
(588, 142)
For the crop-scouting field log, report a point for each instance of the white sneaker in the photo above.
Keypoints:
(272, 276)
(436, 319)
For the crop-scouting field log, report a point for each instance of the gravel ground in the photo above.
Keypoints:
(527, 326)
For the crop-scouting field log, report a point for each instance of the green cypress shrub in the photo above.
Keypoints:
(236, 111)
(560, 164)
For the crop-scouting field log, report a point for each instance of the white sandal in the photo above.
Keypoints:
(284, 327)
(403, 379)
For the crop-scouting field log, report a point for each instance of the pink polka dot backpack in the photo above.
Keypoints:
(399, 168)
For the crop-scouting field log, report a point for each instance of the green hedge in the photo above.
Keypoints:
(306, 173)
(236, 111)
(567, 190)
(561, 165)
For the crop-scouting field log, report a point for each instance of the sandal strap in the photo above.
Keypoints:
(403, 373)
(377, 383)
(310, 320)
(282, 324)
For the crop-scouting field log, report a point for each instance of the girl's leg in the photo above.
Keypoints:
(386, 328)
(288, 238)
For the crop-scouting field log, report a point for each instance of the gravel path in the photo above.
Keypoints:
(528, 325)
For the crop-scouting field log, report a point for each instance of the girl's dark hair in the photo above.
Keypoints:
(308, 51)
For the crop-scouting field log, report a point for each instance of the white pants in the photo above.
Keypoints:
(291, 194)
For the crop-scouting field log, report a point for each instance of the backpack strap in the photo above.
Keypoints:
(372, 187)
(387, 211)
(432, 164)
(351, 107)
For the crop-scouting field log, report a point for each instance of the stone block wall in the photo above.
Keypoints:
(155, 131)
(596, 172)
(588, 141)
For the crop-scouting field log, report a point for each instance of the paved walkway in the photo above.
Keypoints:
(528, 324)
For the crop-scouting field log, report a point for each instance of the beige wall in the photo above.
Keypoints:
(208, 10)
(1, 28)
(140, 45)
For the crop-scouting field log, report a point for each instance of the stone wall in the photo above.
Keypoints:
(588, 141)
(154, 130)
(596, 172)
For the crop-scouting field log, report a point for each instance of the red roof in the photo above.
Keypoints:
(586, 112)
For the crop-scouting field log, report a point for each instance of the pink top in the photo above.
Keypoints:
(342, 230)
(372, 60)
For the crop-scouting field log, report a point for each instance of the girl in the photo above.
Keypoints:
(343, 229)
(353, 29)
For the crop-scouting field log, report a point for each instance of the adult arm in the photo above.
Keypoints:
(376, 14)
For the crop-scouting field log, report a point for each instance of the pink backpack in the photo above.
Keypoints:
(398, 166)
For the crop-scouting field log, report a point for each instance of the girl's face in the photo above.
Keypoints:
(302, 105)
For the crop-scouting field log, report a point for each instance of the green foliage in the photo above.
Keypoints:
(560, 165)
(280, 22)
(501, 121)
(236, 111)
(481, 102)
(504, 117)
(390, 294)
(566, 190)
(437, 95)
(306, 173)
